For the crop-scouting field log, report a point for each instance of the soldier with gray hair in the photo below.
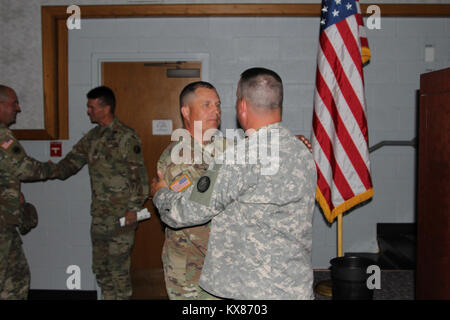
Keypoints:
(261, 230)
(15, 213)
(184, 249)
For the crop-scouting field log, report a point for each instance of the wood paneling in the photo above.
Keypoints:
(62, 114)
(433, 202)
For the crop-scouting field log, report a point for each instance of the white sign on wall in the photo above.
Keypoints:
(161, 127)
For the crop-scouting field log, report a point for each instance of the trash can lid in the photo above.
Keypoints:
(351, 262)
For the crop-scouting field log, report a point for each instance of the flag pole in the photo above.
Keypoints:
(325, 287)
(341, 24)
(339, 235)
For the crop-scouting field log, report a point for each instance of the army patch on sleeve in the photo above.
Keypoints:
(203, 184)
(6, 144)
(181, 184)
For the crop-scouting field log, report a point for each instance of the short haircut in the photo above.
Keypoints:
(4, 92)
(262, 87)
(105, 95)
(190, 89)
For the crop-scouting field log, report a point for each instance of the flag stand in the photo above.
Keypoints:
(339, 235)
(324, 287)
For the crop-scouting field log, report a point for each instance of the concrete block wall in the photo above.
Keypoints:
(287, 45)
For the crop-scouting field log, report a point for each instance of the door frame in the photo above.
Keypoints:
(98, 58)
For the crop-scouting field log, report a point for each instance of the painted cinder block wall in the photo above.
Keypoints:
(287, 45)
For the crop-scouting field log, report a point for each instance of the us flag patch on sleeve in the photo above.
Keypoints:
(6, 144)
(181, 183)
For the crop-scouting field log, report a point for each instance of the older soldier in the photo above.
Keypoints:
(184, 249)
(15, 167)
(261, 232)
(119, 187)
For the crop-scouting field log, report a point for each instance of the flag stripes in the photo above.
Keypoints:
(350, 150)
(348, 92)
(340, 134)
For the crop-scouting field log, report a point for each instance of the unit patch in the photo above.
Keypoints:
(203, 184)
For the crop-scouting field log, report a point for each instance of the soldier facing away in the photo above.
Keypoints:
(261, 228)
(119, 185)
(15, 166)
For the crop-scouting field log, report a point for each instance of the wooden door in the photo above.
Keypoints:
(433, 200)
(144, 93)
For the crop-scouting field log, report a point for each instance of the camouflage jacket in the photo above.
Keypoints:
(117, 172)
(261, 229)
(179, 177)
(15, 166)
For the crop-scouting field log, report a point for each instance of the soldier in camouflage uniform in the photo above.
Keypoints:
(261, 231)
(29, 217)
(119, 185)
(184, 249)
(15, 167)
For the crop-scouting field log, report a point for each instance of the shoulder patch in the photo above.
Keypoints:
(182, 183)
(7, 143)
(203, 184)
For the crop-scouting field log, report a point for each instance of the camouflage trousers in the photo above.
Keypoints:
(182, 273)
(111, 264)
(14, 270)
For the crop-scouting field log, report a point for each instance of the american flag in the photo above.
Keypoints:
(5, 145)
(181, 184)
(340, 135)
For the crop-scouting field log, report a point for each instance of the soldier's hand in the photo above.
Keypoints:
(157, 183)
(306, 142)
(130, 217)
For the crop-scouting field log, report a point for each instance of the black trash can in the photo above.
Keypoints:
(349, 277)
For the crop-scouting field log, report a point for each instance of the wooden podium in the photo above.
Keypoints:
(433, 192)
